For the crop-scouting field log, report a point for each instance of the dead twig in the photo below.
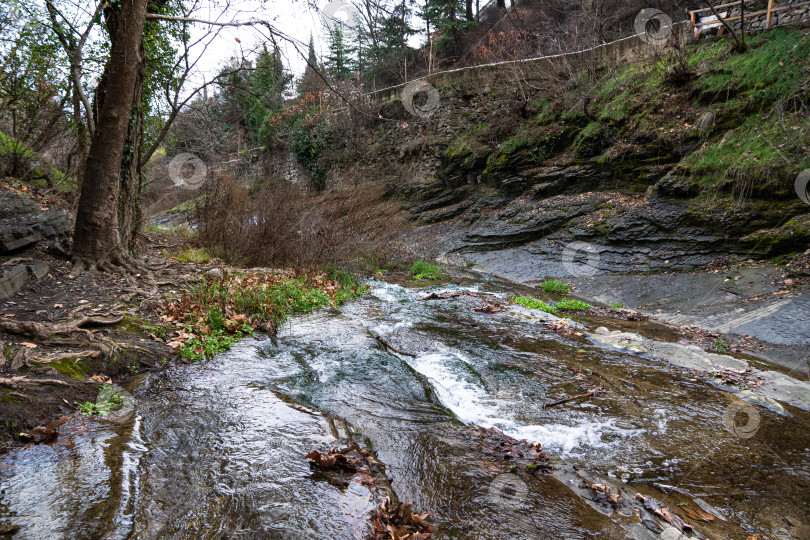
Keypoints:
(389, 346)
(566, 400)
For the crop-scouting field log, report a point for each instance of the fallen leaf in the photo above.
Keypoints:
(659, 509)
(699, 515)
(57, 306)
(29, 345)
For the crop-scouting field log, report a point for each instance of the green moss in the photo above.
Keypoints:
(142, 328)
(70, 367)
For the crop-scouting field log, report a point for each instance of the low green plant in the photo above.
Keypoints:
(571, 305)
(425, 270)
(616, 305)
(534, 303)
(107, 401)
(720, 346)
(470, 264)
(193, 255)
(220, 311)
(554, 286)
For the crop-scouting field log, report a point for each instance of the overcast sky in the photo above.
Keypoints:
(297, 19)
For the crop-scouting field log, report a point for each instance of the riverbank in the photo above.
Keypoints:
(64, 338)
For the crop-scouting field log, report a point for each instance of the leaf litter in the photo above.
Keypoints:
(390, 520)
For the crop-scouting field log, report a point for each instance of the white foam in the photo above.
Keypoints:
(458, 390)
(388, 292)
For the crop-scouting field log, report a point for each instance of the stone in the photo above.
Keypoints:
(12, 281)
(671, 533)
(24, 223)
(214, 273)
(38, 269)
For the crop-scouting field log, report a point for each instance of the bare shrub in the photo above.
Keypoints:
(280, 223)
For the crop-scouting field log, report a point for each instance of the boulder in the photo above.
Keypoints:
(23, 222)
(12, 281)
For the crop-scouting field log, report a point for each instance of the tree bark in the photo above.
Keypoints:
(469, 11)
(97, 241)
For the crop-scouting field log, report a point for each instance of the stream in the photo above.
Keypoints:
(215, 449)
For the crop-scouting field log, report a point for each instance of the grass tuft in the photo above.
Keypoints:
(425, 270)
(571, 305)
(554, 286)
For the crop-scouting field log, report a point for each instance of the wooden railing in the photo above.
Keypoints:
(768, 12)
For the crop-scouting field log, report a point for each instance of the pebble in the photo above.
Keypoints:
(671, 533)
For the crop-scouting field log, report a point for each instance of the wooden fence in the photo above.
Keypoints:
(768, 12)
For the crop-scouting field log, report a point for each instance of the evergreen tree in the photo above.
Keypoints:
(383, 60)
(338, 62)
(310, 81)
(446, 19)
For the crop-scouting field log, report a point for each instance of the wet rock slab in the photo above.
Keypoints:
(776, 386)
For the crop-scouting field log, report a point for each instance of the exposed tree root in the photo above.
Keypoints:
(116, 262)
(59, 357)
(47, 332)
(18, 382)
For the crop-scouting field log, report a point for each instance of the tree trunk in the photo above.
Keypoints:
(501, 4)
(97, 240)
(469, 13)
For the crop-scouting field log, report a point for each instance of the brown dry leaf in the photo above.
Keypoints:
(660, 510)
(560, 327)
(8, 315)
(29, 345)
(100, 379)
(699, 515)
(57, 306)
(606, 490)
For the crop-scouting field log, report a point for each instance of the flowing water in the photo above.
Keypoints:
(215, 450)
